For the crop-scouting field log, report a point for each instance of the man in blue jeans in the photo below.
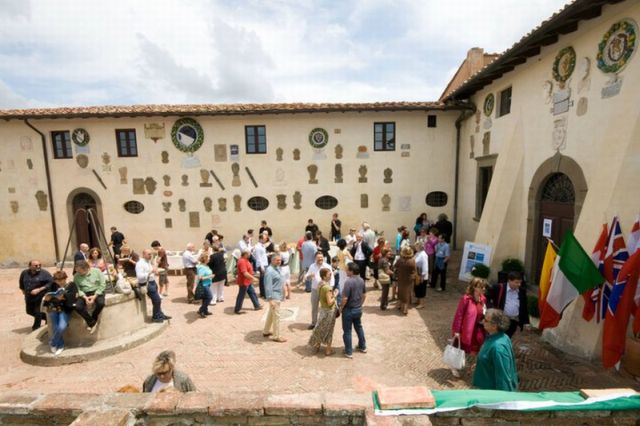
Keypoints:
(354, 294)
(145, 273)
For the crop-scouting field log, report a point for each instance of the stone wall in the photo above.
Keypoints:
(337, 408)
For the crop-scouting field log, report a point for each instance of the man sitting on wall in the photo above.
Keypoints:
(91, 285)
(34, 283)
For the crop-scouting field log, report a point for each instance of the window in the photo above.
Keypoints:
(258, 203)
(505, 102)
(431, 120)
(485, 173)
(256, 139)
(61, 144)
(126, 140)
(437, 199)
(384, 136)
(326, 202)
(134, 207)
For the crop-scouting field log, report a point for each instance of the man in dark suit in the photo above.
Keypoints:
(510, 297)
(81, 254)
(361, 252)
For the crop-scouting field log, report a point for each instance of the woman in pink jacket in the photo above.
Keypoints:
(467, 322)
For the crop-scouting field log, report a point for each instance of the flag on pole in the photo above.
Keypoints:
(621, 306)
(592, 296)
(545, 276)
(634, 237)
(573, 274)
(614, 258)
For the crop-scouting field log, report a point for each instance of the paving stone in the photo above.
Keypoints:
(345, 403)
(163, 403)
(63, 403)
(194, 402)
(248, 404)
(303, 404)
(405, 397)
(118, 417)
(131, 401)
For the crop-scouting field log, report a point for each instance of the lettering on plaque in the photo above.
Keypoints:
(220, 152)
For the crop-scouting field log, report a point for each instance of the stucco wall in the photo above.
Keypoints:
(429, 167)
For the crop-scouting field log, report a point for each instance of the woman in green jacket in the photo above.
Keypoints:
(496, 365)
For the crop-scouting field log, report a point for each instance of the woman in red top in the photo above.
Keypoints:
(376, 255)
(467, 321)
(245, 280)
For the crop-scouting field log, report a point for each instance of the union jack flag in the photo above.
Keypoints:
(614, 259)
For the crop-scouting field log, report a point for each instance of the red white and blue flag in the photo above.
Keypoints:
(633, 241)
(614, 258)
(592, 297)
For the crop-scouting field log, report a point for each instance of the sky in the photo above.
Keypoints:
(123, 52)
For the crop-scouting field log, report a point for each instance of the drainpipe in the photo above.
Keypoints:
(49, 191)
(468, 109)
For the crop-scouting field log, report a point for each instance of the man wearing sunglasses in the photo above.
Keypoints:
(35, 282)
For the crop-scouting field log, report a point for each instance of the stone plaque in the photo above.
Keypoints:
(168, 223)
(207, 204)
(363, 174)
(561, 101)
(123, 175)
(106, 158)
(404, 203)
(234, 152)
(486, 143)
(313, 171)
(41, 197)
(338, 172)
(215, 219)
(338, 151)
(182, 205)
(405, 146)
(185, 180)
(297, 199)
(388, 173)
(583, 105)
(364, 201)
(220, 152)
(29, 164)
(12, 190)
(280, 177)
(472, 143)
(138, 186)
(559, 137)
(487, 123)
(83, 161)
(296, 154)
(194, 219)
(222, 204)
(282, 201)
(386, 201)
(165, 157)
(237, 203)
(362, 152)
(150, 184)
(405, 154)
(154, 131)
(612, 88)
(14, 206)
(167, 180)
(235, 169)
(279, 153)
(166, 206)
(204, 177)
(25, 143)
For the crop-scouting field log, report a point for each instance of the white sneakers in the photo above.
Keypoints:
(59, 351)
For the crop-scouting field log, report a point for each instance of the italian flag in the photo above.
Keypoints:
(573, 274)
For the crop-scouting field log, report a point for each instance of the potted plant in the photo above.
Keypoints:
(510, 264)
(480, 270)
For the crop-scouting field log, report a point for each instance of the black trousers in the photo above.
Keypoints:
(81, 309)
(513, 325)
(33, 309)
(362, 264)
(442, 273)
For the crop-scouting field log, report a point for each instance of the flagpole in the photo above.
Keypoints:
(553, 244)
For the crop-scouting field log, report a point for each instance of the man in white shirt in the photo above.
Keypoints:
(422, 265)
(189, 262)
(145, 273)
(313, 274)
(262, 261)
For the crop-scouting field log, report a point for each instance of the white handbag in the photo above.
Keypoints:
(453, 356)
(122, 285)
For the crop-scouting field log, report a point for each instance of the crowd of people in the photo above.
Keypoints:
(486, 317)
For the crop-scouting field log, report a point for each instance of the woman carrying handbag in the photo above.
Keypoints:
(467, 321)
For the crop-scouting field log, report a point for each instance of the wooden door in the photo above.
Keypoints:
(85, 232)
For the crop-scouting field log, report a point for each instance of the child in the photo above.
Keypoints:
(442, 259)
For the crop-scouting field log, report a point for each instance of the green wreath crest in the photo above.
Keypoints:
(621, 37)
(564, 64)
(318, 138)
(198, 139)
(489, 103)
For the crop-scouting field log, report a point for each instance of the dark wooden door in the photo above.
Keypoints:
(557, 208)
(85, 232)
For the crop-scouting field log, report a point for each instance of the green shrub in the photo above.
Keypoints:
(512, 265)
(532, 305)
(480, 270)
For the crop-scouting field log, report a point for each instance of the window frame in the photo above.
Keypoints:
(501, 102)
(385, 141)
(432, 121)
(483, 163)
(67, 147)
(129, 145)
(256, 139)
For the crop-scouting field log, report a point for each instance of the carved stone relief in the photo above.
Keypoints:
(486, 143)
(362, 152)
(185, 180)
(106, 158)
(14, 206)
(313, 171)
(472, 143)
(583, 106)
(235, 169)
(154, 131)
(165, 157)
(207, 204)
(547, 90)
(338, 151)
(363, 174)
(167, 193)
(150, 184)
(282, 201)
(364, 201)
(404, 203)
(166, 206)
(194, 219)
(279, 153)
(386, 200)
(12, 190)
(388, 173)
(83, 161)
(338, 172)
(123, 175)
(297, 199)
(204, 177)
(559, 137)
(222, 204)
(168, 222)
(25, 143)
(138, 186)
(584, 68)
(29, 164)
(220, 152)
(296, 154)
(41, 197)
(167, 180)
(182, 205)
(237, 203)
(478, 116)
(405, 154)
(280, 176)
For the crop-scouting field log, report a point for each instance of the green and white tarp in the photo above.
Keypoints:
(526, 401)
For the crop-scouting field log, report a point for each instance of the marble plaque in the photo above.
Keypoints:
(234, 152)
(182, 205)
(150, 184)
(297, 199)
(194, 219)
(168, 222)
(583, 105)
(363, 174)
(122, 171)
(404, 203)
(220, 152)
(612, 88)
(364, 201)
(190, 162)
(386, 201)
(138, 186)
(41, 197)
(235, 169)
(559, 137)
(237, 203)
(25, 143)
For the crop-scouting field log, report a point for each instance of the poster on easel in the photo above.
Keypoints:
(473, 253)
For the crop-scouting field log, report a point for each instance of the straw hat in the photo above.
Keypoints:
(406, 251)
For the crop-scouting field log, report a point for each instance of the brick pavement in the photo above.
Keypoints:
(227, 353)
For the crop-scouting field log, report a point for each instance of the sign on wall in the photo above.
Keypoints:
(473, 253)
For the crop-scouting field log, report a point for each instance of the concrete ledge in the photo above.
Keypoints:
(35, 349)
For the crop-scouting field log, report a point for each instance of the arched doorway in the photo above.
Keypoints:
(81, 202)
(556, 195)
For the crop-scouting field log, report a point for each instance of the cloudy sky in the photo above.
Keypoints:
(91, 52)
